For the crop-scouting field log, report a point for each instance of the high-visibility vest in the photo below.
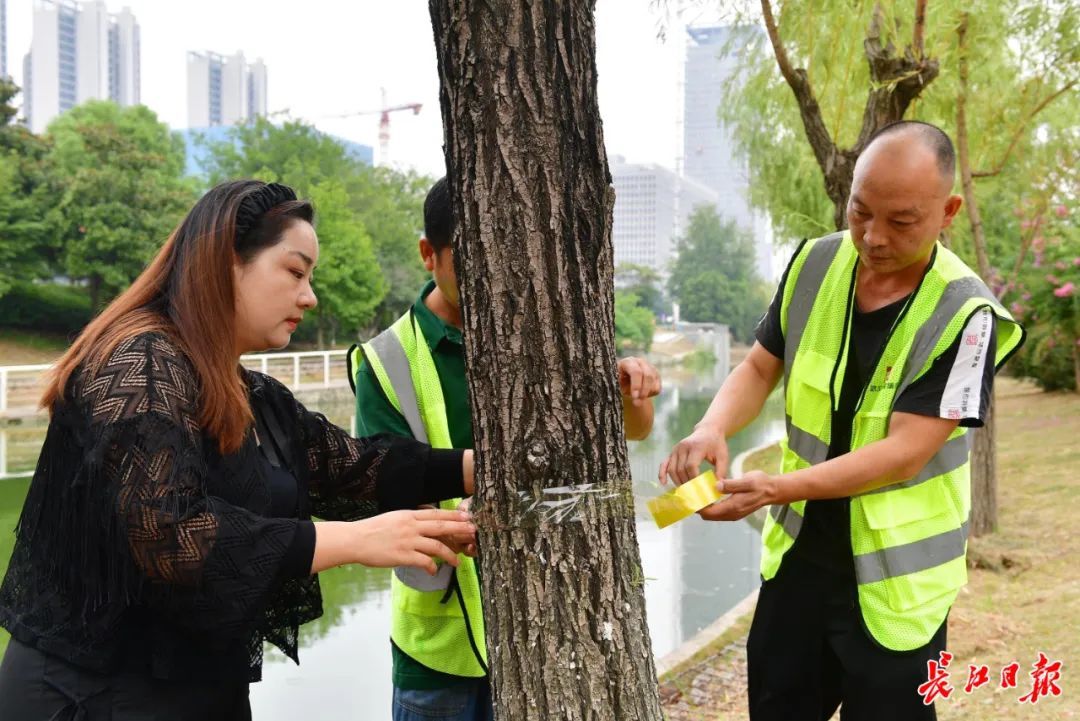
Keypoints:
(438, 620)
(909, 538)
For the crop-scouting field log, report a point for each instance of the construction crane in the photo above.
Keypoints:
(384, 123)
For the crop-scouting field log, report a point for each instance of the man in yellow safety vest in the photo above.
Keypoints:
(888, 345)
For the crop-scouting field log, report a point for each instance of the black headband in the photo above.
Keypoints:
(257, 203)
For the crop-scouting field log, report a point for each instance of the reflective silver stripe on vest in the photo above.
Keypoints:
(956, 294)
(788, 519)
(396, 365)
(911, 557)
(808, 283)
(806, 445)
(418, 578)
(952, 455)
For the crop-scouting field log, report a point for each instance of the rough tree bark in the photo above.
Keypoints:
(897, 79)
(564, 601)
(984, 448)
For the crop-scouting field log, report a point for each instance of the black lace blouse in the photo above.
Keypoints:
(141, 547)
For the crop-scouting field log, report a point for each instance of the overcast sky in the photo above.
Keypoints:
(326, 57)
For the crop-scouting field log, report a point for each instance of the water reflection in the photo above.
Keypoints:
(694, 571)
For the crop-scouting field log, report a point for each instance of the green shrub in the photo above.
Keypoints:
(45, 307)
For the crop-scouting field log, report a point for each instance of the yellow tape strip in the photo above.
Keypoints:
(687, 499)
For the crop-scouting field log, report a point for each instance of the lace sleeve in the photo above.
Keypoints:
(353, 478)
(200, 561)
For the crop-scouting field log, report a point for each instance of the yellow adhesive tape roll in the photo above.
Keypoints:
(687, 499)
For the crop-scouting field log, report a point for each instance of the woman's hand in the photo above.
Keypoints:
(469, 548)
(397, 538)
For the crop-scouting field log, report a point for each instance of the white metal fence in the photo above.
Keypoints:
(21, 386)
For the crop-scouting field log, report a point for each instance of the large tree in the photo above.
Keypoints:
(118, 178)
(564, 602)
(24, 197)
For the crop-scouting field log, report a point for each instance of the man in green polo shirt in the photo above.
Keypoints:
(420, 691)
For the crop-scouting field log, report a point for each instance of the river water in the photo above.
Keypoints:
(694, 571)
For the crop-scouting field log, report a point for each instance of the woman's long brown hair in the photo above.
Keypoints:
(187, 293)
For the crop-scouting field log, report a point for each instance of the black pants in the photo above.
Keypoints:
(35, 686)
(808, 654)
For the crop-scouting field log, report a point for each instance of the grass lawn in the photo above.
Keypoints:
(1023, 594)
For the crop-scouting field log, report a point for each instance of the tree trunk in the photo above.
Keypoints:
(94, 287)
(1076, 364)
(563, 595)
(984, 477)
(983, 454)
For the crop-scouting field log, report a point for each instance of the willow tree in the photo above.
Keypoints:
(529, 182)
(897, 77)
(1011, 103)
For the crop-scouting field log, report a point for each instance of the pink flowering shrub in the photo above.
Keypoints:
(1048, 304)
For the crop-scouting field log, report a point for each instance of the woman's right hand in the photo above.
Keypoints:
(397, 538)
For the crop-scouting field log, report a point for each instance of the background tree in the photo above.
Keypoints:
(896, 79)
(714, 278)
(644, 282)
(118, 179)
(818, 102)
(349, 280)
(1047, 79)
(391, 206)
(23, 197)
(634, 322)
(564, 603)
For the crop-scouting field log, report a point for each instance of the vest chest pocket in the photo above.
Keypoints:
(809, 397)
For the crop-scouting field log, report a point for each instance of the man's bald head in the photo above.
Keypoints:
(901, 196)
(928, 137)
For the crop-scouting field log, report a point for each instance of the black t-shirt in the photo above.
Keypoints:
(958, 385)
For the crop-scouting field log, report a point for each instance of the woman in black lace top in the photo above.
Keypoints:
(166, 533)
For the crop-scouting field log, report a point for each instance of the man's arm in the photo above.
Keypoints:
(639, 381)
(739, 400)
(912, 441)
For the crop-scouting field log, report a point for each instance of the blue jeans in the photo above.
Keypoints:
(470, 701)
